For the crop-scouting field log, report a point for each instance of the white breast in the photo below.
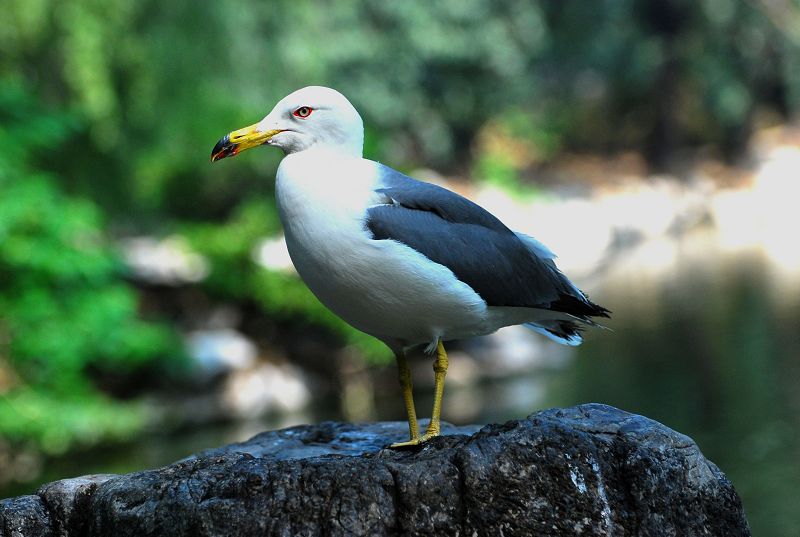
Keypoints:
(383, 287)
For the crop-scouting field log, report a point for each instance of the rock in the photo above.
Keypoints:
(587, 470)
(24, 516)
(68, 503)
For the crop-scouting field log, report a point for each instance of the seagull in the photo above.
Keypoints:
(405, 261)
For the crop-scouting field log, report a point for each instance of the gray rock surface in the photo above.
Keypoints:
(588, 470)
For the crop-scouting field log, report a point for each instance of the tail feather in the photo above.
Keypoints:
(561, 331)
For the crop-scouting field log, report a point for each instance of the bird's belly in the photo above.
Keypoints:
(386, 289)
(381, 287)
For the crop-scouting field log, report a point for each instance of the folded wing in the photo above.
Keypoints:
(501, 266)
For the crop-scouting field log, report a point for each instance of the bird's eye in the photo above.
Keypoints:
(302, 112)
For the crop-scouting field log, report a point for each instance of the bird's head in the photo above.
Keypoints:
(310, 117)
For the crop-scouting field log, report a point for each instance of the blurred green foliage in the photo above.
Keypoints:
(478, 87)
(63, 304)
(157, 83)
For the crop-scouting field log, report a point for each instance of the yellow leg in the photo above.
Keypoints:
(434, 427)
(408, 394)
(439, 372)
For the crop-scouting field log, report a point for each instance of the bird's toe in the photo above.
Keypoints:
(414, 442)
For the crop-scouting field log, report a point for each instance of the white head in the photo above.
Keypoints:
(311, 117)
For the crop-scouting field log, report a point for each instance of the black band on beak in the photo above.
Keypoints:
(224, 148)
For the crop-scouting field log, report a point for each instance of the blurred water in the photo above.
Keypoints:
(711, 348)
(704, 340)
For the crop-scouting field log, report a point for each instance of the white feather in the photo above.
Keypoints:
(572, 341)
(382, 287)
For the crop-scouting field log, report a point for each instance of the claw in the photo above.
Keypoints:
(419, 440)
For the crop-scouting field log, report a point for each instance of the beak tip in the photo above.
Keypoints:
(223, 148)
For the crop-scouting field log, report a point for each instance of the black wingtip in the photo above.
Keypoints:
(580, 308)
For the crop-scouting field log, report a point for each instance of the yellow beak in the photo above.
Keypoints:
(234, 143)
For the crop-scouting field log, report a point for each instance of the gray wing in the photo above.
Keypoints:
(477, 247)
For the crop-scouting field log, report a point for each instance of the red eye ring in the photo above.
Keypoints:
(303, 112)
